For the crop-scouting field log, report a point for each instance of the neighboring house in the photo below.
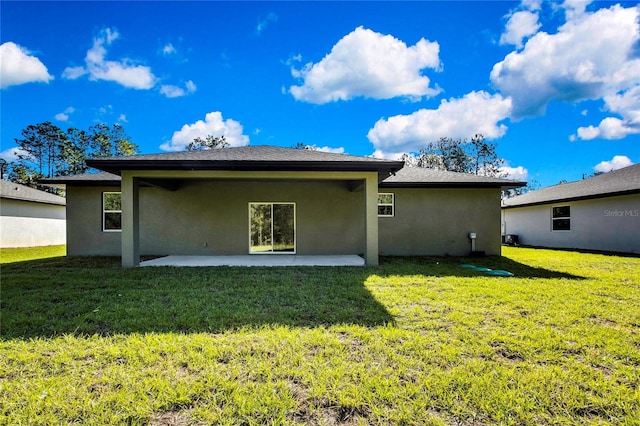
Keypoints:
(269, 200)
(29, 217)
(598, 213)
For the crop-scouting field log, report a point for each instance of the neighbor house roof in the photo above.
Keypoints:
(254, 158)
(87, 179)
(419, 177)
(618, 182)
(16, 191)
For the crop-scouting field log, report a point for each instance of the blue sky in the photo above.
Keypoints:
(555, 84)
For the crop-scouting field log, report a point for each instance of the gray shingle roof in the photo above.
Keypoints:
(16, 191)
(87, 179)
(262, 153)
(259, 158)
(274, 158)
(431, 178)
(617, 182)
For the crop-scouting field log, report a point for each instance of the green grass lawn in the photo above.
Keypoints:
(413, 341)
(12, 255)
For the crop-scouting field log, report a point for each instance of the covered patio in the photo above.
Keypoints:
(256, 260)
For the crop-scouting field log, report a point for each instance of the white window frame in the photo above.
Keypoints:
(392, 204)
(295, 228)
(554, 219)
(104, 212)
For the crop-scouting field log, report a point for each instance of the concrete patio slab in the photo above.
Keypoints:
(256, 260)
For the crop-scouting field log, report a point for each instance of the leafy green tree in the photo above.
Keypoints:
(105, 141)
(73, 153)
(25, 175)
(476, 156)
(4, 167)
(209, 142)
(531, 185)
(39, 148)
(484, 156)
(302, 145)
(445, 154)
(45, 151)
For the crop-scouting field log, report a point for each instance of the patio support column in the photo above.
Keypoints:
(371, 220)
(130, 221)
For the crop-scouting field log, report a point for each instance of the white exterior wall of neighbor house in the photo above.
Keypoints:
(31, 224)
(607, 224)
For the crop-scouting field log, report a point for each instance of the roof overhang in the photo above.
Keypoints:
(570, 199)
(383, 168)
(443, 185)
(30, 200)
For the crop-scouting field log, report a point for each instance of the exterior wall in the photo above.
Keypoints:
(30, 224)
(84, 223)
(438, 222)
(211, 217)
(607, 224)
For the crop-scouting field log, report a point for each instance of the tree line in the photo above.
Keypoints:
(477, 156)
(45, 150)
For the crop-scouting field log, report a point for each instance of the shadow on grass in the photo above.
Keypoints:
(450, 266)
(93, 295)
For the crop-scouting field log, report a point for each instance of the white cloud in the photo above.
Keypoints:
(521, 25)
(11, 154)
(171, 91)
(264, 23)
(61, 116)
(18, 66)
(122, 118)
(339, 150)
(104, 110)
(64, 115)
(515, 173)
(190, 86)
(124, 72)
(72, 73)
(168, 49)
(213, 125)
(574, 9)
(531, 4)
(476, 112)
(573, 65)
(609, 128)
(627, 105)
(369, 64)
(387, 155)
(617, 162)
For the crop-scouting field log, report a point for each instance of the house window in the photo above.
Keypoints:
(111, 211)
(561, 218)
(272, 228)
(386, 205)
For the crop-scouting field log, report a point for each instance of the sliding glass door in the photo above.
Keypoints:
(272, 228)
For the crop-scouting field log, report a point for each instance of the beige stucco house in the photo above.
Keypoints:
(269, 200)
(600, 213)
(29, 217)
